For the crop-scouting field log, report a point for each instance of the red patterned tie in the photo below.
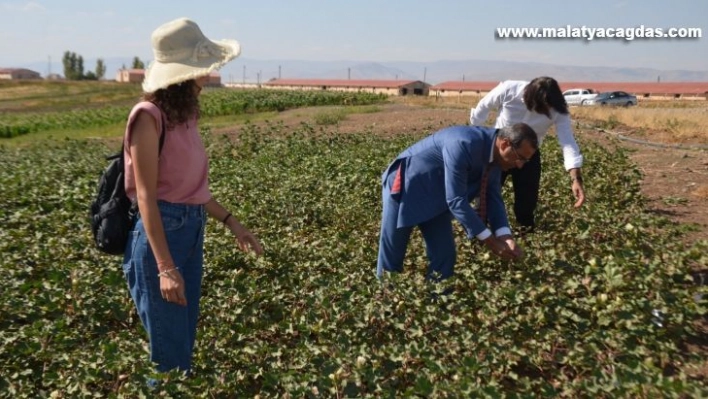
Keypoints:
(482, 211)
(396, 186)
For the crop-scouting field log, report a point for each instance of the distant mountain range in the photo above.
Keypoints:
(253, 71)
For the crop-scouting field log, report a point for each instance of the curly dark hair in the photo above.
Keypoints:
(544, 93)
(178, 102)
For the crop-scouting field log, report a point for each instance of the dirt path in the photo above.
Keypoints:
(675, 182)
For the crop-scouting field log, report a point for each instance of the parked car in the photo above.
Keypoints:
(613, 98)
(579, 96)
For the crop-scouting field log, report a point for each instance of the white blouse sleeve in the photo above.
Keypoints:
(493, 100)
(571, 152)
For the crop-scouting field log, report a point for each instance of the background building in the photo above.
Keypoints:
(18, 73)
(390, 87)
(643, 90)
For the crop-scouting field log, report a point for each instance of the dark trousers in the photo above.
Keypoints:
(526, 182)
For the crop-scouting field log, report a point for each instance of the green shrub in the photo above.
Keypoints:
(330, 117)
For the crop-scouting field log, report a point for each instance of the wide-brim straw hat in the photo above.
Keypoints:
(182, 52)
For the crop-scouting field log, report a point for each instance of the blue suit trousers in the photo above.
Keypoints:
(393, 242)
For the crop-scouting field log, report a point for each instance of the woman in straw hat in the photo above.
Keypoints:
(163, 258)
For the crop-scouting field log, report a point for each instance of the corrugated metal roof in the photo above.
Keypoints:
(388, 84)
(630, 87)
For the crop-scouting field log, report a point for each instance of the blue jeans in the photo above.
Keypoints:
(171, 328)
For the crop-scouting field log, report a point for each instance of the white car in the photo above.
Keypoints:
(579, 96)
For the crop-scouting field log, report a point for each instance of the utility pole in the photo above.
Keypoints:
(49, 65)
(244, 75)
(425, 73)
(278, 71)
(349, 74)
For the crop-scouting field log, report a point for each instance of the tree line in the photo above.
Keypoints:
(74, 67)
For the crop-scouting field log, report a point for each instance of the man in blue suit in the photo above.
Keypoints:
(435, 179)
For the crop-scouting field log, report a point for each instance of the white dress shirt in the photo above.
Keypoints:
(502, 231)
(508, 98)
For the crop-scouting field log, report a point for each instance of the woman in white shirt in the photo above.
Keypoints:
(539, 104)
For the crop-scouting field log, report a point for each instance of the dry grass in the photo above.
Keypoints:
(441, 102)
(681, 121)
(701, 192)
(684, 123)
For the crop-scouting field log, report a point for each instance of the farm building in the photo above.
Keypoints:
(138, 75)
(452, 88)
(214, 79)
(390, 87)
(18, 73)
(643, 90)
(130, 75)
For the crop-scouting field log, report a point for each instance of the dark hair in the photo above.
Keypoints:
(178, 102)
(517, 133)
(543, 93)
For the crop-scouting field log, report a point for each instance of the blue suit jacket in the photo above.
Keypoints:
(443, 172)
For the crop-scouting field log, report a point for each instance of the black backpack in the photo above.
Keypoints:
(112, 211)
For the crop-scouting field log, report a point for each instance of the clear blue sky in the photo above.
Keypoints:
(361, 30)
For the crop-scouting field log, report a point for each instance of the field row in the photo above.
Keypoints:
(217, 102)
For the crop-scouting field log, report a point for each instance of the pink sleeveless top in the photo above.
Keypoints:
(182, 176)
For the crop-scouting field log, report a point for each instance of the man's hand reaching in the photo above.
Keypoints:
(503, 247)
